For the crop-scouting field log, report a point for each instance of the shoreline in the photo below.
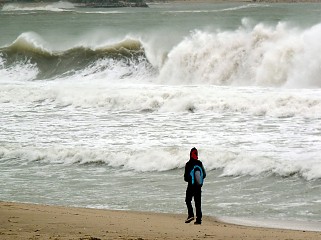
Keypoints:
(33, 221)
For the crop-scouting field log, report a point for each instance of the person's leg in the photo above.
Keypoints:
(188, 200)
(198, 205)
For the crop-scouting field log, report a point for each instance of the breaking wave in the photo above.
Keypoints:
(249, 56)
(166, 159)
(191, 76)
(53, 7)
(30, 51)
(148, 98)
(259, 55)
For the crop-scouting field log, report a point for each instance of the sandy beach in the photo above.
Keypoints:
(100, 108)
(31, 221)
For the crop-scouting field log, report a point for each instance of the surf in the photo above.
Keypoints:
(51, 7)
(279, 56)
(259, 55)
(30, 48)
(228, 163)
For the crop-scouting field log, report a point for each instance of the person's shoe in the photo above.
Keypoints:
(189, 219)
(197, 222)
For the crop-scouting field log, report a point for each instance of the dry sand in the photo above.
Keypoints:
(30, 221)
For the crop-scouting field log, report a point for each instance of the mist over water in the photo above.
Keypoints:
(100, 107)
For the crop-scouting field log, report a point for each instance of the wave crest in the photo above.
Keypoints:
(243, 164)
(260, 55)
(166, 159)
(51, 64)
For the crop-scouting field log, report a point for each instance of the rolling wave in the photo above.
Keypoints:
(27, 49)
(260, 55)
(256, 102)
(166, 159)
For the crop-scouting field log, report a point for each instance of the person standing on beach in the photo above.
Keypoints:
(194, 174)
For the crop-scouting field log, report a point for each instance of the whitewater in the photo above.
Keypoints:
(100, 107)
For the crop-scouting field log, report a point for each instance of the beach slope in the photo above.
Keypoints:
(31, 221)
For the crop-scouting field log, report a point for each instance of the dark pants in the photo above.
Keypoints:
(195, 192)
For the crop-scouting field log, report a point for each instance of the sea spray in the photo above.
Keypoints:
(22, 70)
(306, 71)
(258, 56)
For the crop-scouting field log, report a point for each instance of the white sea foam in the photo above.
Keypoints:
(219, 10)
(142, 161)
(240, 164)
(279, 224)
(165, 159)
(101, 12)
(261, 55)
(54, 7)
(132, 97)
(22, 70)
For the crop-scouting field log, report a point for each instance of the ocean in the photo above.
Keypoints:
(100, 108)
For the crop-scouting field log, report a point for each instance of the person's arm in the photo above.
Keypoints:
(186, 174)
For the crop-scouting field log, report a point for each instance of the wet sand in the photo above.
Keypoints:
(31, 221)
